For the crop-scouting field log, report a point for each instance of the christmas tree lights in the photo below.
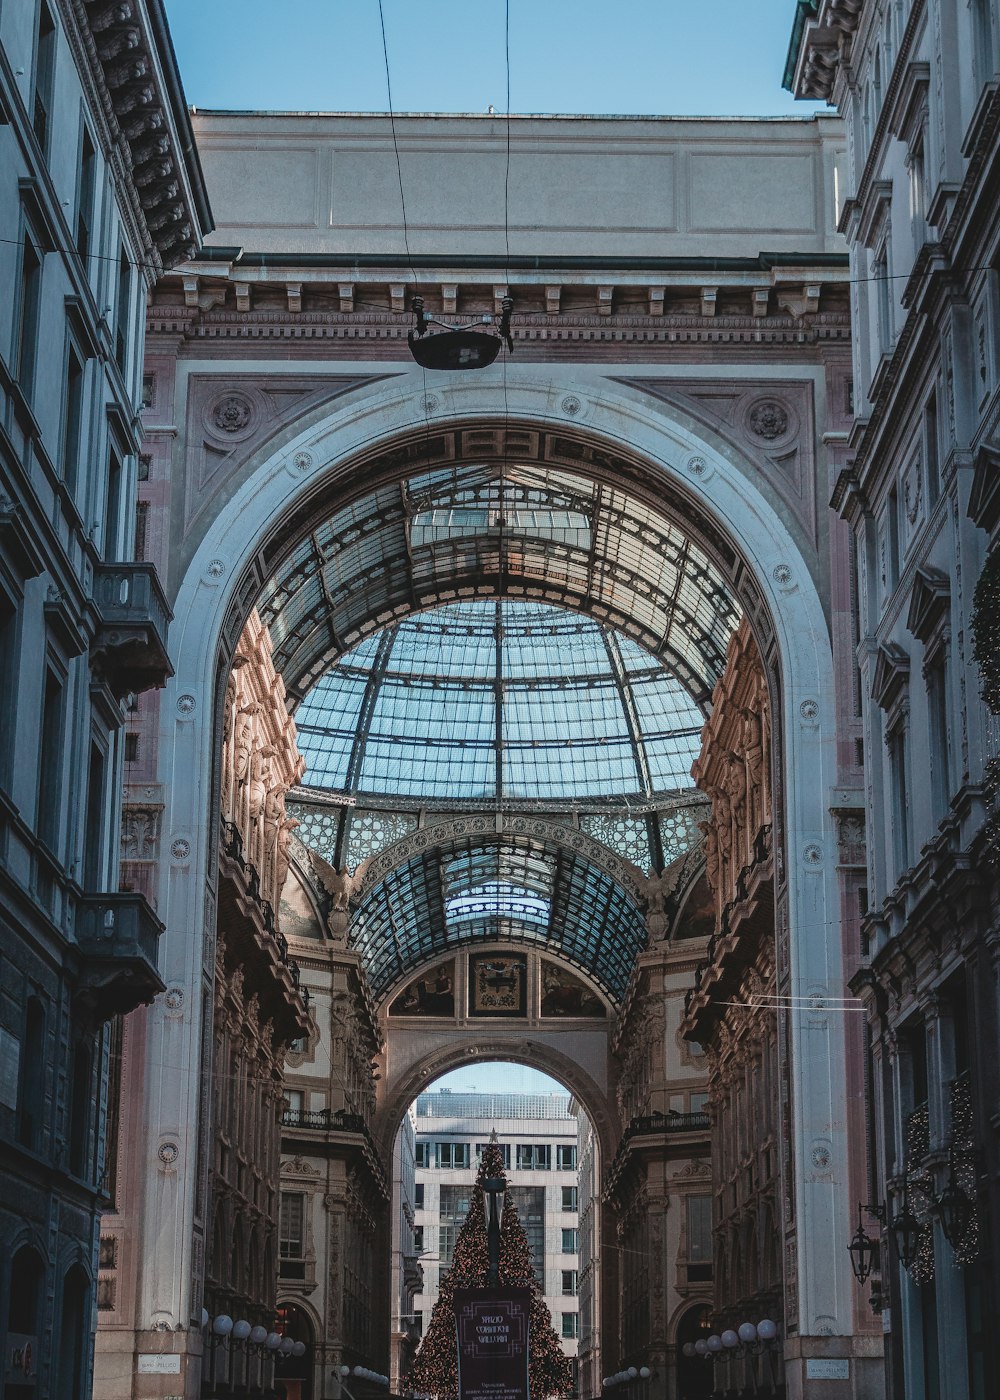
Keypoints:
(435, 1368)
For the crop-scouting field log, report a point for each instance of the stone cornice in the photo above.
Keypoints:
(125, 47)
(388, 332)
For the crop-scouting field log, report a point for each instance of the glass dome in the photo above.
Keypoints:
(499, 698)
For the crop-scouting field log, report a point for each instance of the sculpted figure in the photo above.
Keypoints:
(711, 854)
(245, 742)
(283, 861)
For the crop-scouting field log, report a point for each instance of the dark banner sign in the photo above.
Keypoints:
(492, 1333)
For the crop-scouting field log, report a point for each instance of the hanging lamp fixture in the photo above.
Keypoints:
(472, 346)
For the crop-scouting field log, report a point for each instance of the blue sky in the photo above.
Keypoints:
(667, 57)
(498, 1078)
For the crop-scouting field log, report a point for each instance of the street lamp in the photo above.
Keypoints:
(954, 1207)
(862, 1248)
(905, 1229)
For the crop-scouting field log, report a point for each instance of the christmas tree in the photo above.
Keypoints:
(435, 1368)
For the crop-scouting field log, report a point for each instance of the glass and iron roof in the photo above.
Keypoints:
(497, 698)
(527, 530)
(516, 890)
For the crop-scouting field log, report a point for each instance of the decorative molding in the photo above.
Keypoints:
(930, 600)
(892, 675)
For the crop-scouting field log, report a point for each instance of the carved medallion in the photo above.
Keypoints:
(767, 419)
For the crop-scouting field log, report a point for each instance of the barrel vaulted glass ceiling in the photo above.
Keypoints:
(516, 890)
(499, 697)
(536, 532)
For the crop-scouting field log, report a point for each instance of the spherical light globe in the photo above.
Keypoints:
(241, 1330)
(645, 1372)
(747, 1333)
(299, 1349)
(204, 1317)
(345, 1370)
(729, 1339)
(701, 1346)
(715, 1342)
(272, 1341)
(258, 1335)
(766, 1330)
(223, 1325)
(287, 1346)
(632, 1372)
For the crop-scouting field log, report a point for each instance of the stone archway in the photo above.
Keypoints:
(597, 1100)
(776, 587)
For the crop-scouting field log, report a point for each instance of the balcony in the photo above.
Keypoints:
(117, 935)
(129, 649)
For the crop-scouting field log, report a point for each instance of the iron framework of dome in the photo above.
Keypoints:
(517, 889)
(494, 699)
(511, 529)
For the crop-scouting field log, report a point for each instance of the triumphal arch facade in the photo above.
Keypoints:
(643, 483)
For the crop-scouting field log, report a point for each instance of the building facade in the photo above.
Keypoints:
(678, 392)
(538, 1138)
(917, 87)
(100, 192)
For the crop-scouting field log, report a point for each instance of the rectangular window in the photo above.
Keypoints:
(447, 1237)
(85, 185)
(418, 1196)
(570, 1241)
(72, 416)
(504, 1151)
(113, 503)
(569, 1283)
(454, 1203)
(883, 301)
(26, 330)
(571, 1325)
(932, 450)
(9, 670)
(45, 68)
(937, 709)
(418, 1323)
(699, 1103)
(140, 549)
(122, 310)
(455, 1155)
(49, 773)
(892, 541)
(569, 1198)
(93, 852)
(421, 1154)
(534, 1157)
(418, 1238)
(290, 1224)
(294, 1105)
(529, 1202)
(699, 1229)
(566, 1158)
(899, 796)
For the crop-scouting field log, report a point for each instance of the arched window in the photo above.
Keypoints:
(26, 1274)
(74, 1330)
(31, 1091)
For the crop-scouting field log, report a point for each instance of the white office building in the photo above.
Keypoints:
(538, 1138)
